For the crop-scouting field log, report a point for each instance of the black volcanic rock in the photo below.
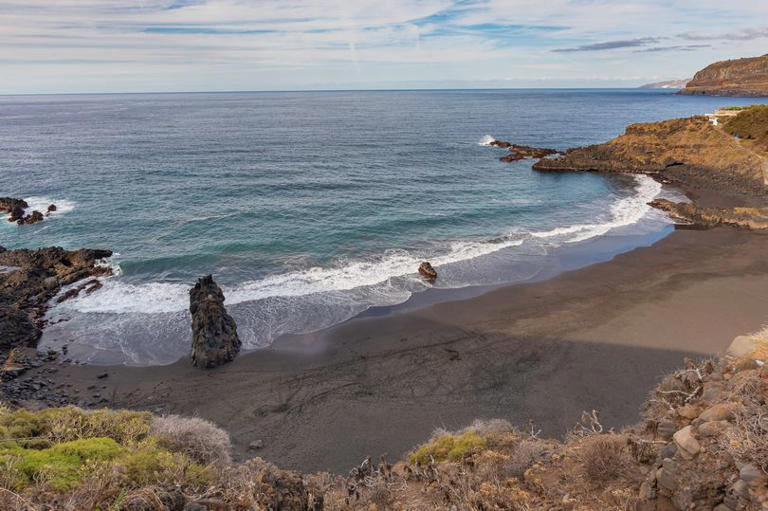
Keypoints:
(14, 207)
(520, 152)
(30, 219)
(214, 333)
(36, 277)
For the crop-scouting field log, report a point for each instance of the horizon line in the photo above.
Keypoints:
(394, 89)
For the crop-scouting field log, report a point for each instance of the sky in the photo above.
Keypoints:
(68, 46)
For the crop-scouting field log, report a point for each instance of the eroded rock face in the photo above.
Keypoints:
(214, 333)
(739, 77)
(36, 277)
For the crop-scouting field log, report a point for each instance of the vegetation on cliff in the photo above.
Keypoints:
(751, 126)
(739, 77)
(703, 444)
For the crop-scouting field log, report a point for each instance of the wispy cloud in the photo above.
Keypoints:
(610, 45)
(746, 34)
(678, 47)
(74, 45)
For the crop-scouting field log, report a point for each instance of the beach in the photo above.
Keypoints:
(595, 338)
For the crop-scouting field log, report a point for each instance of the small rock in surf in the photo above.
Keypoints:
(427, 271)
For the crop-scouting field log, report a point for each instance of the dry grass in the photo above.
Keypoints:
(199, 439)
(604, 458)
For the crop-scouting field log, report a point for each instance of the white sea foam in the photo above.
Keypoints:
(623, 212)
(158, 297)
(486, 140)
(41, 204)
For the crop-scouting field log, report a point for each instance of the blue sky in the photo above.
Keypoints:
(52, 46)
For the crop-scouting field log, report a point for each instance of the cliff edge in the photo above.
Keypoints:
(739, 77)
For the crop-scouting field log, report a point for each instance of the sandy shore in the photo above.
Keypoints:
(598, 337)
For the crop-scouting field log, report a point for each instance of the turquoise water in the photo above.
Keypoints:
(307, 207)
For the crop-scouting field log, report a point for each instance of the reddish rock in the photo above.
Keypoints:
(427, 271)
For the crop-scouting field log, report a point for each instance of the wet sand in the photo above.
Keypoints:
(598, 337)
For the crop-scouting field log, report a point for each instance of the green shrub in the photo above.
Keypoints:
(59, 465)
(449, 447)
(149, 466)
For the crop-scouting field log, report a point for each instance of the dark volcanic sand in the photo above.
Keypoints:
(599, 337)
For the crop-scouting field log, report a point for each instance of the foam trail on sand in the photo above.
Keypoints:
(626, 211)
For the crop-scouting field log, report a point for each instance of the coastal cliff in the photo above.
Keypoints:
(739, 77)
(690, 151)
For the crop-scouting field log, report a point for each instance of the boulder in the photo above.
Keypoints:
(427, 271)
(214, 333)
(717, 412)
(688, 445)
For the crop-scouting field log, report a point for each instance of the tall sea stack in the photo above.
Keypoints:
(214, 333)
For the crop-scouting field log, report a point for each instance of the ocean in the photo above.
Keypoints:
(309, 208)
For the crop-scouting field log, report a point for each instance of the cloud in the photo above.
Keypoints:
(683, 47)
(84, 45)
(610, 45)
(746, 34)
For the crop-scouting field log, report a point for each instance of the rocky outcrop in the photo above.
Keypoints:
(746, 218)
(214, 333)
(14, 207)
(740, 77)
(689, 151)
(16, 211)
(33, 278)
(30, 219)
(520, 152)
(427, 271)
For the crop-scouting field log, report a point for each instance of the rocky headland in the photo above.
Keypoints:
(726, 156)
(739, 77)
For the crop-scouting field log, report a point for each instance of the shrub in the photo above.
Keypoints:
(525, 455)
(60, 465)
(604, 457)
(70, 423)
(149, 466)
(449, 447)
(197, 438)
